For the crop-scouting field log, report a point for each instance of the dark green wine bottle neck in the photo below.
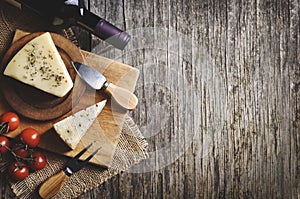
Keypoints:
(75, 15)
(98, 26)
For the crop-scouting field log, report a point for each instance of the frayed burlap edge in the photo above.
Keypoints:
(131, 149)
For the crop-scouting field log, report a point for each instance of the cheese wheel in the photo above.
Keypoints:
(39, 64)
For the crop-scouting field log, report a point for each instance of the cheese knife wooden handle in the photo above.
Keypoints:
(122, 96)
(97, 81)
(52, 185)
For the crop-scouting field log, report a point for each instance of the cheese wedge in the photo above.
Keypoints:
(39, 64)
(74, 127)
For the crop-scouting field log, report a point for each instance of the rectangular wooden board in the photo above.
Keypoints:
(105, 131)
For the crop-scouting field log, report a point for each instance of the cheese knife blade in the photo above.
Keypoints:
(97, 81)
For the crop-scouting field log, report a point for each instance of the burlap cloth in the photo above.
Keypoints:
(131, 149)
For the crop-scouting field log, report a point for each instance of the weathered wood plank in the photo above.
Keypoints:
(229, 104)
(219, 97)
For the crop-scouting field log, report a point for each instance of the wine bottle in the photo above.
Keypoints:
(73, 12)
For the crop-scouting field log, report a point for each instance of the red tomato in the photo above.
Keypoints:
(12, 119)
(20, 150)
(39, 160)
(18, 170)
(30, 136)
(4, 143)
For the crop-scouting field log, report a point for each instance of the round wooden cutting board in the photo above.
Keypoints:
(34, 103)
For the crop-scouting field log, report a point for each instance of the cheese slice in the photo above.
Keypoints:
(39, 64)
(74, 127)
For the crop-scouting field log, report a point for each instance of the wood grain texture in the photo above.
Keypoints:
(32, 103)
(219, 97)
(230, 104)
(105, 130)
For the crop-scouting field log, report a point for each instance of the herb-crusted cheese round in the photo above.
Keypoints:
(39, 64)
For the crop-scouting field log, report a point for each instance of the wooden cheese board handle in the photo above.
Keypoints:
(53, 184)
(122, 96)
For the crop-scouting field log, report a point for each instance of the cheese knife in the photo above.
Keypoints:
(97, 81)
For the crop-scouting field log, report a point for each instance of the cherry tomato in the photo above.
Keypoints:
(39, 160)
(18, 170)
(4, 143)
(12, 119)
(30, 136)
(20, 150)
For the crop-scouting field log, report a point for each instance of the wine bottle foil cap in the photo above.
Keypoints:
(112, 34)
(119, 40)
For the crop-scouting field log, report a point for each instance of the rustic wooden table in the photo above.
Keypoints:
(219, 97)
